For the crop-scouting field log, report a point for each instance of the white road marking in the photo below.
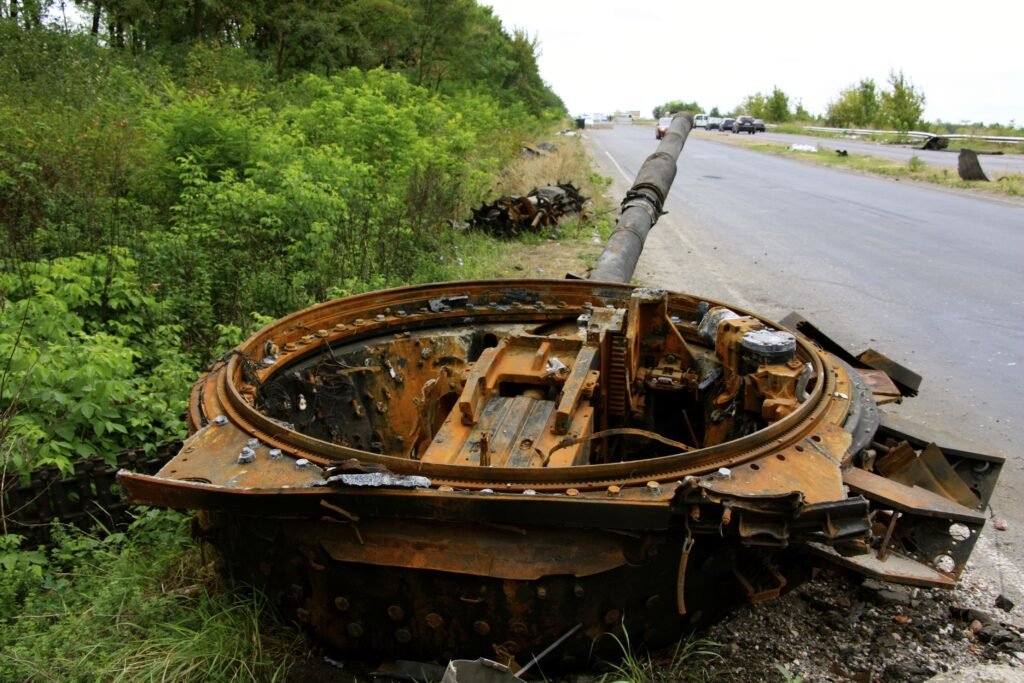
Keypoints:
(619, 168)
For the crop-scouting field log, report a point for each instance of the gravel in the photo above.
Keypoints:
(842, 627)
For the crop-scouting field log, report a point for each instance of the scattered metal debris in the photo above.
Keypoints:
(540, 149)
(936, 142)
(969, 167)
(83, 497)
(543, 206)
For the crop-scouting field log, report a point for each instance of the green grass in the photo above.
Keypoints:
(1011, 185)
(133, 606)
(688, 663)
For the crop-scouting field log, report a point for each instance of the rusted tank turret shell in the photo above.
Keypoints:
(486, 468)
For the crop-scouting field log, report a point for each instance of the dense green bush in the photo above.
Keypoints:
(93, 361)
(151, 208)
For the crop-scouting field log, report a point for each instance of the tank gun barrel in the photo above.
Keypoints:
(642, 206)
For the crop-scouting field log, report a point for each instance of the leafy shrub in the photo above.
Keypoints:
(93, 361)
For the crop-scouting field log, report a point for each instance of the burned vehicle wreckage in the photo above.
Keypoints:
(486, 468)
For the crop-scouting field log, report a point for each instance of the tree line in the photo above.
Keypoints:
(899, 106)
(442, 45)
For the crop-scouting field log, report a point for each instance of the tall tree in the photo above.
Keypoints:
(778, 106)
(903, 105)
(858, 105)
(755, 105)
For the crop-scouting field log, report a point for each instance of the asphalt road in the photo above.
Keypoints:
(994, 165)
(932, 278)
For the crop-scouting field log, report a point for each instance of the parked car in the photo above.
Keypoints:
(714, 123)
(700, 121)
(744, 124)
(759, 125)
(727, 124)
(663, 123)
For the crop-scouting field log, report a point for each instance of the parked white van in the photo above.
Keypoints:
(700, 121)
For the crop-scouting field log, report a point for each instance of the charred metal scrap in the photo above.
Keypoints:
(511, 215)
(487, 468)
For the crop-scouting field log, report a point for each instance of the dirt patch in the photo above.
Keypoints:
(573, 250)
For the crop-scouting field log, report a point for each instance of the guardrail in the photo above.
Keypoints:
(916, 134)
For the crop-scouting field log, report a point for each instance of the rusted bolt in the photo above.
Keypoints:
(403, 635)
(614, 490)
(322, 333)
(380, 318)
(612, 617)
(482, 628)
(519, 628)
(396, 613)
(654, 487)
(434, 620)
(578, 591)
(303, 614)
(301, 464)
(246, 456)
(511, 647)
(341, 603)
(253, 443)
(275, 453)
(726, 516)
(572, 492)
(220, 420)
(354, 629)
(542, 593)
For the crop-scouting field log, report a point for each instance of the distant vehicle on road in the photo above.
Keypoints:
(663, 123)
(727, 124)
(700, 121)
(759, 125)
(714, 123)
(744, 124)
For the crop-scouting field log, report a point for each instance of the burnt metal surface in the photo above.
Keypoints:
(542, 207)
(481, 468)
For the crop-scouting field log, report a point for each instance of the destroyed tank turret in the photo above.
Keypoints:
(484, 468)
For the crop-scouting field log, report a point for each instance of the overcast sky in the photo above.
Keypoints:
(603, 55)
